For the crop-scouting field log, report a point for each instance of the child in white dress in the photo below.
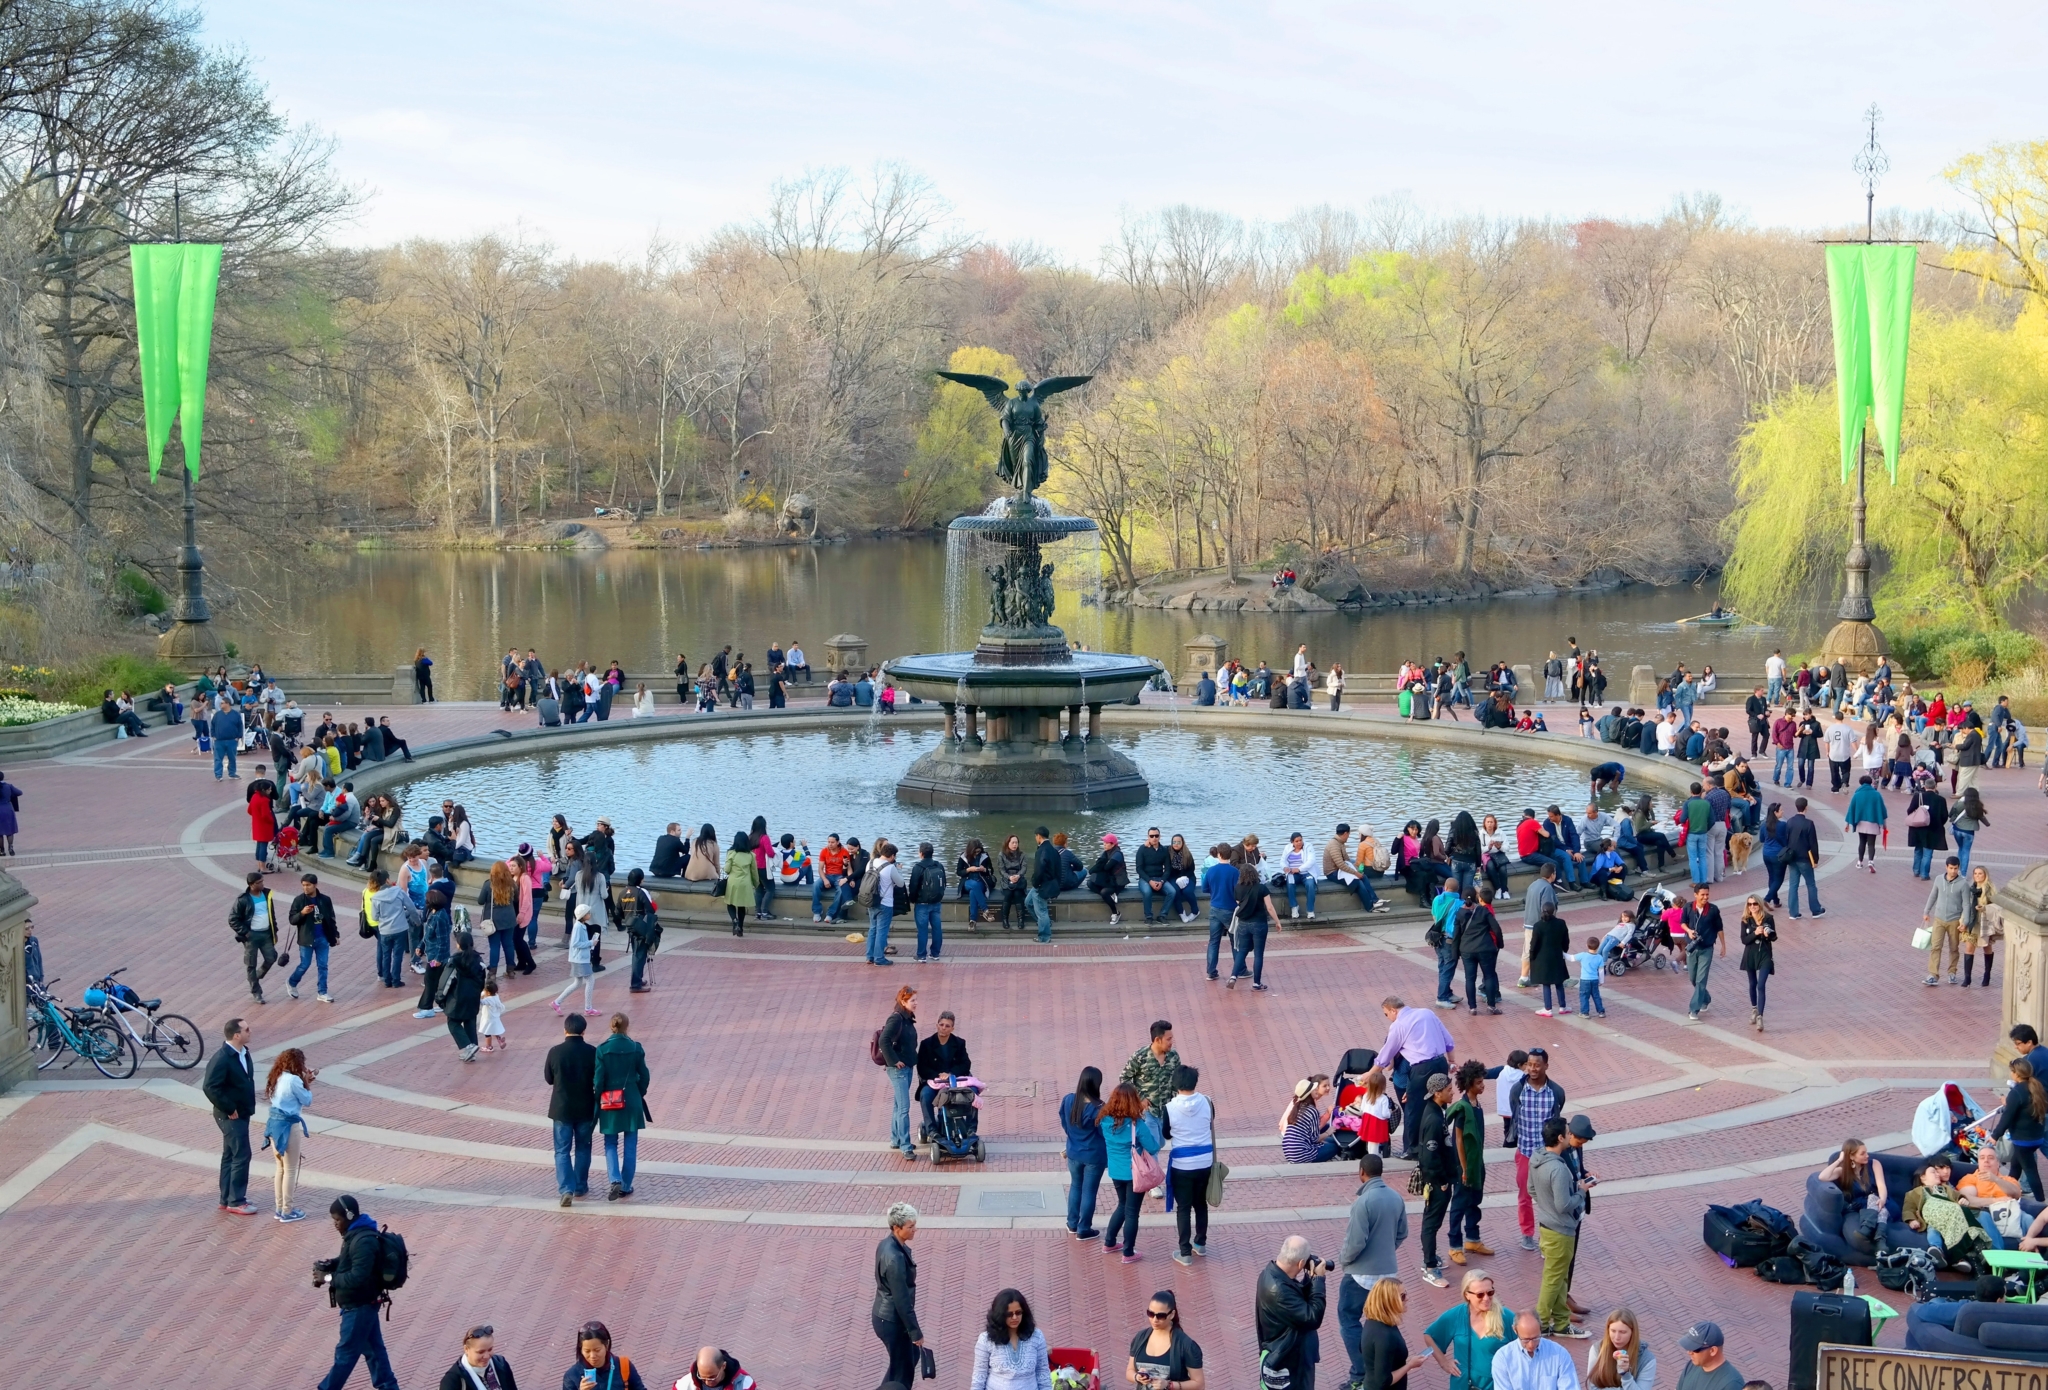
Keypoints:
(491, 1026)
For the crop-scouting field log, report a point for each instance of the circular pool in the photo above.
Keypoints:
(1206, 785)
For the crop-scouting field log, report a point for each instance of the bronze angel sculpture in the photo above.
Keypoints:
(1023, 463)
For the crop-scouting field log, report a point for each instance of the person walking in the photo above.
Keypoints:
(1759, 937)
(224, 728)
(1539, 901)
(1254, 920)
(894, 1313)
(1010, 1353)
(579, 960)
(312, 915)
(354, 1288)
(230, 1088)
(391, 915)
(462, 994)
(1466, 1336)
(1151, 1069)
(1802, 856)
(1966, 818)
(1126, 1129)
(1949, 902)
(436, 945)
(643, 929)
(620, 1078)
(253, 919)
(1532, 1099)
(480, 1367)
(1480, 941)
(1163, 1357)
(1087, 1154)
(1560, 1203)
(1703, 934)
(897, 1043)
(571, 1074)
(1865, 817)
(1926, 825)
(1373, 1233)
(1192, 1118)
(289, 1087)
(1219, 881)
(1287, 1310)
(1437, 1163)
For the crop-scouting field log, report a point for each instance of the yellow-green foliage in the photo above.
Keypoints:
(952, 469)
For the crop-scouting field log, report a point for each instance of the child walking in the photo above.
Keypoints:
(491, 1027)
(1591, 963)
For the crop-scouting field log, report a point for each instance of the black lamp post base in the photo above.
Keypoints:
(189, 642)
(1859, 646)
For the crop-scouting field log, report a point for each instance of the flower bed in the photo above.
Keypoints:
(17, 710)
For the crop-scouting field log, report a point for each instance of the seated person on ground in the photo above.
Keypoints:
(1937, 1209)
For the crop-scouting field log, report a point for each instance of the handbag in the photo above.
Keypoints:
(927, 1364)
(1923, 937)
(1919, 817)
(1146, 1173)
(1218, 1171)
(446, 988)
(611, 1100)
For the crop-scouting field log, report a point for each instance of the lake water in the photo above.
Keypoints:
(368, 612)
(1205, 786)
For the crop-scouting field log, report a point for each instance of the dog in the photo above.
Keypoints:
(1741, 845)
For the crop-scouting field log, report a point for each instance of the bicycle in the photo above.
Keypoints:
(54, 1029)
(175, 1039)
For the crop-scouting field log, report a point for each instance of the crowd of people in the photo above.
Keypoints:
(585, 691)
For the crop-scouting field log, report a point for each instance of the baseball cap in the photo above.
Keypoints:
(1700, 1336)
(1582, 1128)
(1109, 840)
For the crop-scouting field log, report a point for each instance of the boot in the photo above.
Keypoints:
(1987, 970)
(1969, 964)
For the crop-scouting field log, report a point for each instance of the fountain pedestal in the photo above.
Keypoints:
(1015, 735)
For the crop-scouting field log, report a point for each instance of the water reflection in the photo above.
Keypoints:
(369, 611)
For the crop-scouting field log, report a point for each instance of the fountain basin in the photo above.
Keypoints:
(1083, 678)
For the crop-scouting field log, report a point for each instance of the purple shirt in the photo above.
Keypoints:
(1416, 1034)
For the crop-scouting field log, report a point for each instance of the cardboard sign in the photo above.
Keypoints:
(1874, 1368)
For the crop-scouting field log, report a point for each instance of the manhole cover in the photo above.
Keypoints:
(1010, 1201)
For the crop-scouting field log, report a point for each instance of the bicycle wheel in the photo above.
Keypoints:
(177, 1040)
(45, 1040)
(109, 1050)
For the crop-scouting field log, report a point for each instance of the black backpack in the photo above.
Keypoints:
(393, 1264)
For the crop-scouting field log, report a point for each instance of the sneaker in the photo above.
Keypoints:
(245, 1209)
(1953, 980)
(590, 1013)
(429, 1013)
(1434, 1277)
(418, 969)
(293, 1215)
(1231, 983)
(1184, 1261)
(1529, 1243)
(816, 918)
(469, 1053)
(1114, 919)
(1931, 980)
(1545, 1013)
(1260, 988)
(614, 1192)
(924, 960)
(1574, 1331)
(567, 1200)
(1446, 1003)
(1382, 907)
(1200, 1249)
(1294, 913)
(1493, 1009)
(292, 990)
(1311, 917)
(1132, 1259)
(1695, 1018)
(325, 998)
(554, 1004)
(1212, 980)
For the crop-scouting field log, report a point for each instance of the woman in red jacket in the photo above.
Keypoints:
(262, 820)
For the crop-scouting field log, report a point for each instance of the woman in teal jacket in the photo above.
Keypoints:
(1125, 1123)
(1865, 816)
(621, 1083)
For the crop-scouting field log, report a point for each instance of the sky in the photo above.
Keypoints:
(596, 128)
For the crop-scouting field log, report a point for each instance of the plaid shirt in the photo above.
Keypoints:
(1535, 1105)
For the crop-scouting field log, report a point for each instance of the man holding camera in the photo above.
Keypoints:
(352, 1286)
(1289, 1309)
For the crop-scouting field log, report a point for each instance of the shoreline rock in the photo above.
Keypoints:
(1256, 594)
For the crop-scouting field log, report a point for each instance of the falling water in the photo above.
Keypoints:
(961, 694)
(958, 549)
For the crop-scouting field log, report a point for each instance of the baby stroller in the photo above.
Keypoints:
(1351, 1125)
(287, 846)
(956, 1123)
(1648, 942)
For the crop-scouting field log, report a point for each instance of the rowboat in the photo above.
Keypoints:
(1723, 619)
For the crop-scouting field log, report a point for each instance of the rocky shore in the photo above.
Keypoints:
(1333, 588)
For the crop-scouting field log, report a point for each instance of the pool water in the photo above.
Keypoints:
(1206, 786)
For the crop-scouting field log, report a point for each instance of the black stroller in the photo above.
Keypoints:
(1649, 940)
(1348, 1081)
(955, 1132)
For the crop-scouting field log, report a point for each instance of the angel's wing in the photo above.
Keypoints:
(1053, 385)
(994, 387)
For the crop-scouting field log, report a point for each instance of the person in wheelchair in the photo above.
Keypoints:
(941, 1060)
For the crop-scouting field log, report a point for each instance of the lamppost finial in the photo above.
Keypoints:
(1871, 165)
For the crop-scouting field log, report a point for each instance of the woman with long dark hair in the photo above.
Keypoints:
(973, 871)
(466, 999)
(1759, 939)
(1010, 1353)
(704, 856)
(2024, 1120)
(740, 881)
(1087, 1158)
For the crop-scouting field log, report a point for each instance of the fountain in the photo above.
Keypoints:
(1015, 738)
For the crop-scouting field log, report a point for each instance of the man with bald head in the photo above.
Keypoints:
(714, 1369)
(1289, 1308)
(1532, 1361)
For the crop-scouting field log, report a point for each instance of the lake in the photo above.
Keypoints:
(369, 611)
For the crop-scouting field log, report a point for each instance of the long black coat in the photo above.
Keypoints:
(1549, 939)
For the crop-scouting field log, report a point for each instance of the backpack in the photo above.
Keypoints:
(392, 1260)
(1783, 1269)
(1822, 1269)
(871, 887)
(875, 1049)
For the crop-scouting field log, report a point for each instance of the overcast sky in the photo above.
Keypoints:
(594, 126)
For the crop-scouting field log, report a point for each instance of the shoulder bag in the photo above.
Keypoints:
(1146, 1173)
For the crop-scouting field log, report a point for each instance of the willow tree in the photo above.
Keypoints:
(1966, 529)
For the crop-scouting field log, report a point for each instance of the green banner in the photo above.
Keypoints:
(175, 284)
(1870, 289)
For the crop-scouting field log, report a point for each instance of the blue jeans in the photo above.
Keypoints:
(224, 748)
(1589, 998)
(362, 1339)
(1781, 767)
(572, 1157)
(533, 926)
(1219, 924)
(842, 894)
(1798, 873)
(1465, 873)
(977, 896)
(1124, 1218)
(929, 927)
(308, 955)
(1350, 1314)
(1923, 862)
(619, 1166)
(1249, 940)
(1698, 845)
(1360, 886)
(1308, 886)
(1084, 1181)
(1699, 964)
(1561, 1006)
(1464, 1225)
(1774, 686)
(878, 934)
(391, 958)
(1042, 910)
(1964, 839)
(899, 1117)
(501, 946)
(1446, 969)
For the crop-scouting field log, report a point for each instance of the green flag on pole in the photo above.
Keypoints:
(1870, 289)
(175, 283)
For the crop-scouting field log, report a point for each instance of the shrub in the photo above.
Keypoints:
(1964, 654)
(143, 594)
(82, 683)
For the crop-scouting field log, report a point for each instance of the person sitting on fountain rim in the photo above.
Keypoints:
(1205, 690)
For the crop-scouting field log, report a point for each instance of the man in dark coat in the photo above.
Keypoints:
(571, 1071)
(230, 1087)
(1288, 1309)
(354, 1288)
(668, 854)
(1045, 883)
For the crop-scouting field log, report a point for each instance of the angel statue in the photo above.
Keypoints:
(1022, 463)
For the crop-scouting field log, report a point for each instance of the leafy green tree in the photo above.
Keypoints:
(1966, 528)
(952, 468)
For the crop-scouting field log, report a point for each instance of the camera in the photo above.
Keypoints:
(323, 1270)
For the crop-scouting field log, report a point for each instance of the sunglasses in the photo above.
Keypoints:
(1155, 1314)
(1480, 1293)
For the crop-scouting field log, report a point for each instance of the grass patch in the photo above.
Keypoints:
(83, 683)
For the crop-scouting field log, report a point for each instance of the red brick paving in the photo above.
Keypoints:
(748, 1045)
